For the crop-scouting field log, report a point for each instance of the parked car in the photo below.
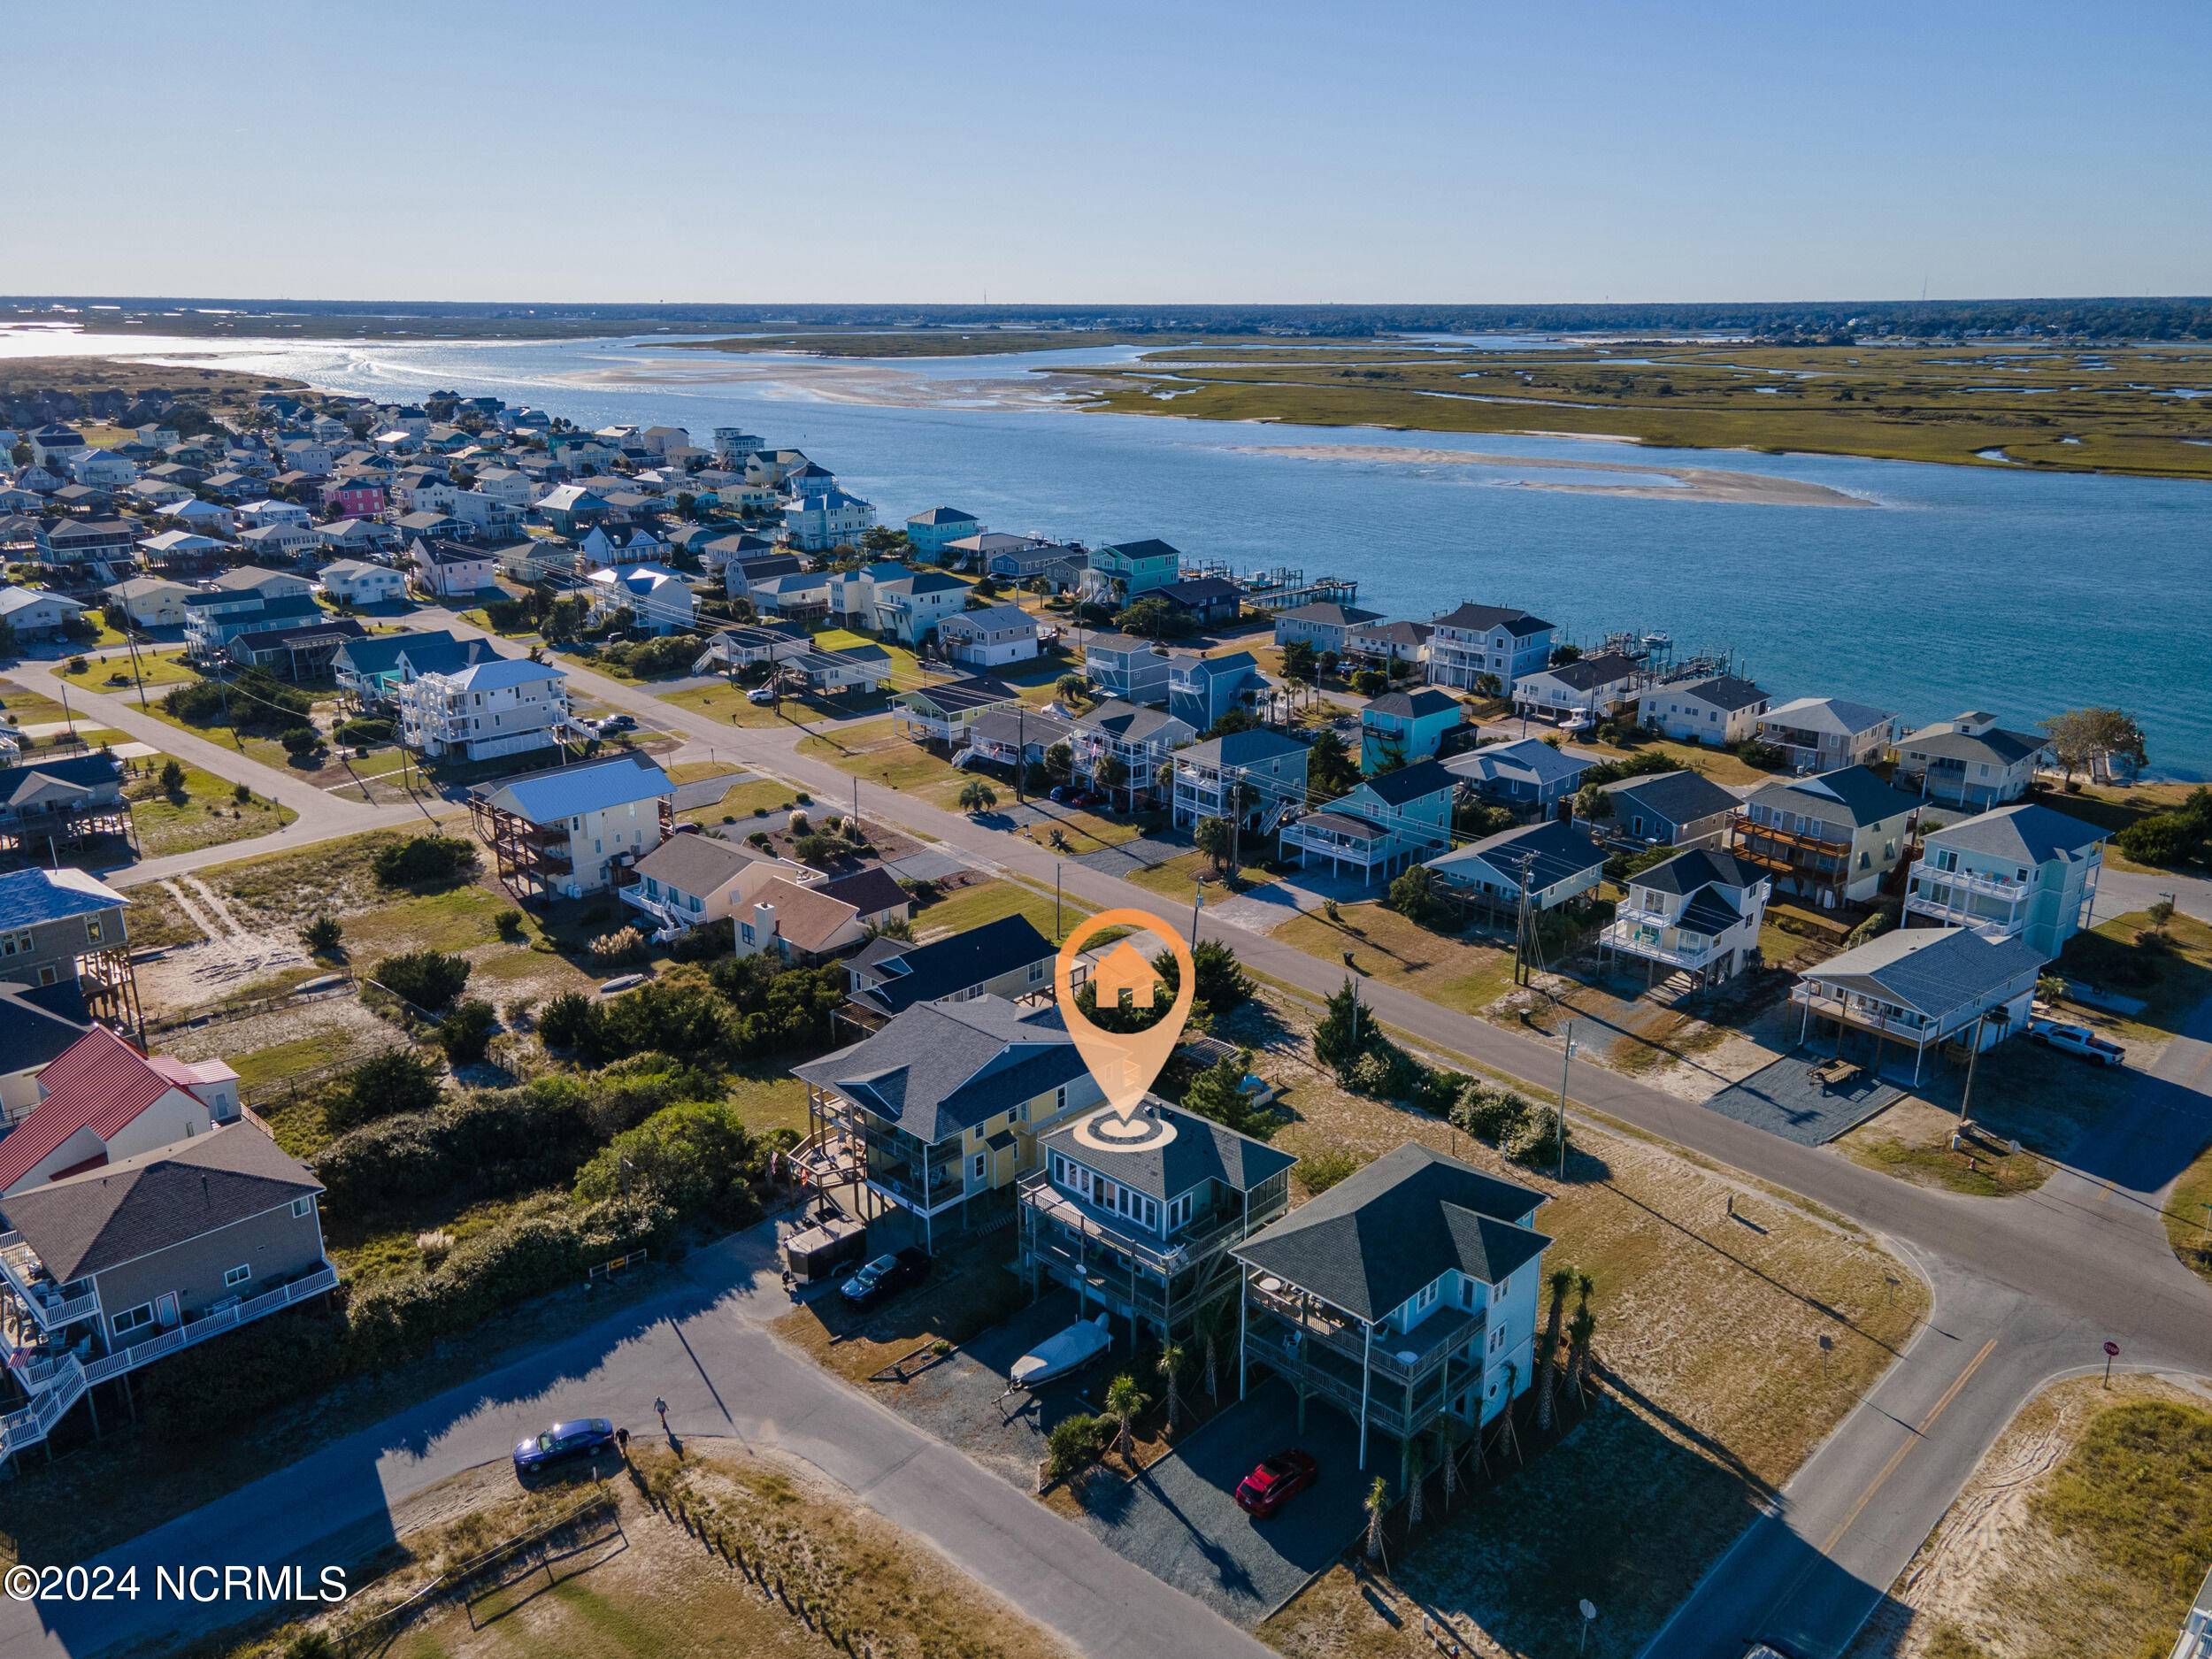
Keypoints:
(2077, 1039)
(618, 723)
(761, 694)
(886, 1277)
(1276, 1482)
(564, 1443)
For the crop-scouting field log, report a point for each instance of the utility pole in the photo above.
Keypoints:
(1565, 1060)
(1197, 898)
(1966, 1095)
(1021, 749)
(1059, 927)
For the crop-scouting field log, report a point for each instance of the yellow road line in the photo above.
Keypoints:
(1898, 1455)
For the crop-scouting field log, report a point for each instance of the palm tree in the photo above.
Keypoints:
(1578, 1333)
(1213, 1369)
(1562, 1280)
(977, 796)
(1170, 1367)
(1451, 1469)
(1124, 1401)
(1417, 1470)
(1378, 1505)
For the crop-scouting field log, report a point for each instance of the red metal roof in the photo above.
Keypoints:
(99, 1082)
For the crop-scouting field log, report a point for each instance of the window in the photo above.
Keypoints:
(132, 1318)
(304, 1206)
(1467, 1292)
(982, 1166)
(1497, 1339)
(238, 1275)
(1036, 971)
(92, 929)
(1429, 1294)
(1060, 1098)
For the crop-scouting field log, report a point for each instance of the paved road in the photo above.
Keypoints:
(2025, 1288)
(702, 1345)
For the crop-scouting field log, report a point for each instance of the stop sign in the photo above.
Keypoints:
(2112, 1350)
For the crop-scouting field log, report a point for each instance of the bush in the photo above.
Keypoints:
(670, 654)
(1536, 1140)
(172, 779)
(386, 1085)
(619, 946)
(696, 1156)
(428, 979)
(1414, 896)
(363, 733)
(300, 741)
(1074, 1444)
(1321, 1171)
(466, 1033)
(321, 935)
(1492, 1116)
(567, 1022)
(509, 922)
(424, 860)
(242, 794)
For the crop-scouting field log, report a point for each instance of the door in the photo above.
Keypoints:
(166, 1311)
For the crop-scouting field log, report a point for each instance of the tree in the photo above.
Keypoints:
(1171, 1370)
(1299, 661)
(2162, 912)
(1562, 1279)
(430, 980)
(397, 1080)
(977, 796)
(322, 935)
(1593, 805)
(1213, 838)
(2082, 737)
(1377, 1504)
(1579, 1332)
(1330, 769)
(1218, 1094)
(1369, 682)
(1072, 688)
(1124, 1401)
(1223, 984)
(1339, 1037)
(1564, 653)
(466, 1033)
(1060, 762)
(1414, 896)
(2049, 987)
(173, 779)
(1151, 618)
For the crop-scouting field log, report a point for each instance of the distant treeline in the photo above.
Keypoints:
(2170, 318)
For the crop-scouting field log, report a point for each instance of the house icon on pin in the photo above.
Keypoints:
(1125, 980)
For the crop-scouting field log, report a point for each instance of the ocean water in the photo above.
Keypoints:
(2007, 589)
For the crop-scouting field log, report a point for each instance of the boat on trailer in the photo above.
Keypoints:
(1068, 1350)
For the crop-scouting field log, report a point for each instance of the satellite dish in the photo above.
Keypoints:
(1589, 1610)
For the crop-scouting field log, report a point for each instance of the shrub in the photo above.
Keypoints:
(466, 1033)
(1074, 1444)
(619, 946)
(567, 1021)
(1535, 1140)
(424, 860)
(398, 1081)
(172, 779)
(1490, 1115)
(322, 935)
(509, 922)
(1414, 896)
(300, 741)
(706, 942)
(433, 1246)
(696, 1156)
(363, 733)
(428, 979)
(242, 794)
(1321, 1171)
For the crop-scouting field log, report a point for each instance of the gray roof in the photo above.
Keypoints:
(694, 864)
(1685, 872)
(1560, 850)
(941, 1068)
(1530, 754)
(89, 1223)
(1853, 794)
(1679, 797)
(1481, 618)
(905, 975)
(2025, 832)
(1385, 1232)
(32, 1029)
(1993, 747)
(1328, 613)
(1411, 705)
(1934, 970)
(1028, 726)
(1729, 692)
(1201, 1150)
(1131, 722)
(1411, 783)
(956, 697)
(1251, 748)
(1585, 673)
(1832, 715)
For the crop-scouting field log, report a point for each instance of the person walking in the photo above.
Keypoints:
(661, 1407)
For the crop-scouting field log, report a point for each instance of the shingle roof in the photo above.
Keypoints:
(1530, 754)
(1728, 692)
(1934, 970)
(28, 897)
(697, 864)
(89, 1223)
(572, 791)
(1482, 619)
(1680, 797)
(1199, 590)
(2026, 831)
(1252, 748)
(1327, 613)
(1856, 794)
(1150, 548)
(1700, 866)
(498, 673)
(1201, 1150)
(944, 515)
(955, 695)
(1131, 722)
(990, 618)
(1831, 715)
(806, 918)
(1411, 705)
(1993, 747)
(1411, 783)
(870, 891)
(1559, 850)
(940, 1068)
(1385, 1232)
(1585, 673)
(908, 974)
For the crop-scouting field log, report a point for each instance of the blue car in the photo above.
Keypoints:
(565, 1442)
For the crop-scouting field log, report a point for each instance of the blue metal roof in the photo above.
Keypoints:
(573, 791)
(28, 897)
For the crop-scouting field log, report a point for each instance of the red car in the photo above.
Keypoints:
(1276, 1482)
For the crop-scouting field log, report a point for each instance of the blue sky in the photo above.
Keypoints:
(1138, 152)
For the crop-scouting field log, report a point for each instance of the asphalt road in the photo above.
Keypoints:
(702, 1345)
(2025, 1288)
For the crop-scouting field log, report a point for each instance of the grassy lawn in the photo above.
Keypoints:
(2084, 1532)
(876, 752)
(1451, 972)
(1082, 831)
(2187, 1217)
(203, 812)
(114, 674)
(749, 799)
(987, 902)
(1708, 1332)
(769, 1100)
(1719, 765)
(725, 701)
(1176, 879)
(268, 750)
(258, 1066)
(21, 707)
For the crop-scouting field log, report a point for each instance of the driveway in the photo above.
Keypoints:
(1179, 1521)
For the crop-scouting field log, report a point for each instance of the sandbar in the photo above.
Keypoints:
(1690, 483)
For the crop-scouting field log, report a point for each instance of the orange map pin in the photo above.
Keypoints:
(1125, 1063)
